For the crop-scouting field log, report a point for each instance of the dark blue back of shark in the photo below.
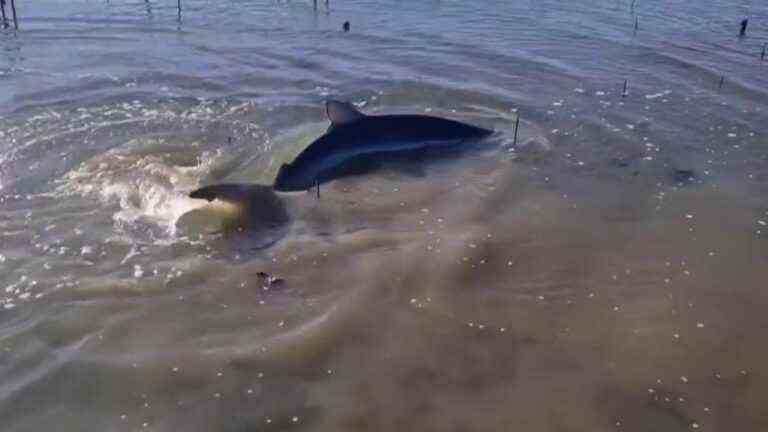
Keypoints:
(372, 138)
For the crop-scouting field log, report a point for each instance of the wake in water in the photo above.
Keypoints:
(148, 180)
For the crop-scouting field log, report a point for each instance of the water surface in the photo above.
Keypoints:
(605, 273)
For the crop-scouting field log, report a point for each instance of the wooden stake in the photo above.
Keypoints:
(742, 32)
(637, 23)
(624, 92)
(317, 185)
(722, 81)
(2, 7)
(13, 9)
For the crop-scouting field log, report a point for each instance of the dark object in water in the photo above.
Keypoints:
(2, 8)
(762, 55)
(624, 91)
(13, 11)
(742, 32)
(620, 162)
(346, 26)
(270, 280)
(683, 176)
(722, 81)
(354, 142)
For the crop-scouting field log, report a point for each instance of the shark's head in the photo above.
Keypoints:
(291, 179)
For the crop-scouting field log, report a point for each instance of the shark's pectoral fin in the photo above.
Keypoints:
(340, 113)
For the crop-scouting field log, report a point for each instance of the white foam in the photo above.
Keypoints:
(148, 188)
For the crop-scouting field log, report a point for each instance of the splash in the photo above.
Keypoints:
(148, 180)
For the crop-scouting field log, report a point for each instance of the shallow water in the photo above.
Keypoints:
(605, 273)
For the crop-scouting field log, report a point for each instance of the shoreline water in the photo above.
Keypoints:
(606, 273)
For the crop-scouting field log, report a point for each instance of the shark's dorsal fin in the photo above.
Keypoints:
(341, 113)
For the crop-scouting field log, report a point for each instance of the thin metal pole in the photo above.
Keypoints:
(517, 126)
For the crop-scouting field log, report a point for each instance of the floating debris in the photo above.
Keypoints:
(683, 176)
(743, 29)
(270, 280)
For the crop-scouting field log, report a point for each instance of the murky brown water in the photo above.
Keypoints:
(607, 273)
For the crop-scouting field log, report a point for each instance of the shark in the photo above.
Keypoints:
(354, 143)
(355, 140)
